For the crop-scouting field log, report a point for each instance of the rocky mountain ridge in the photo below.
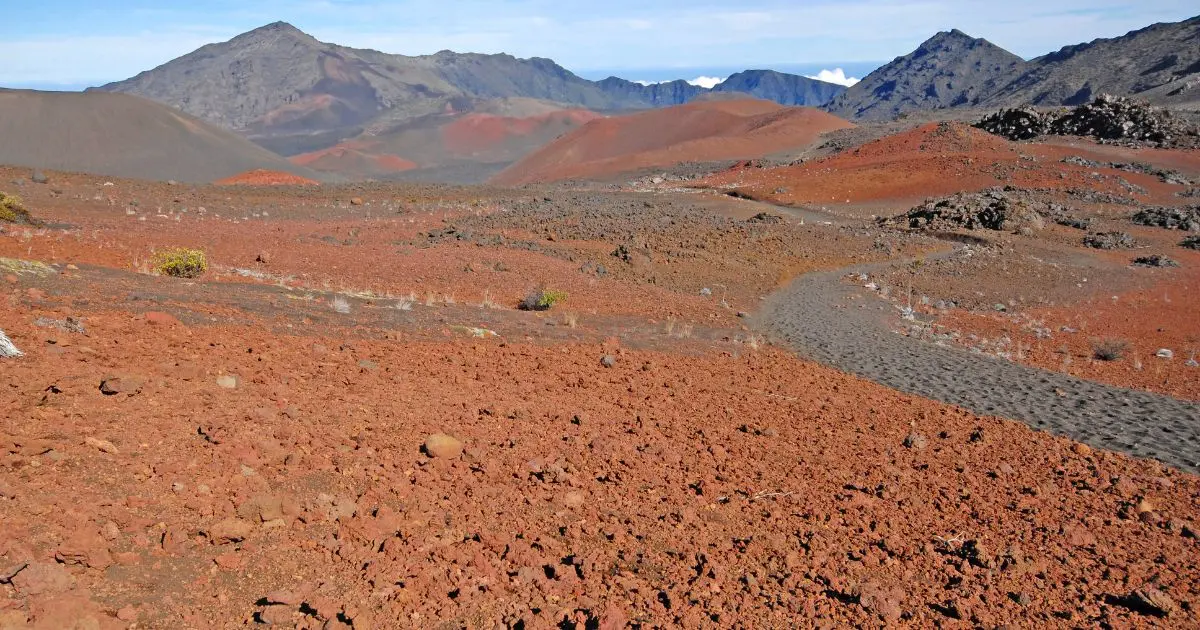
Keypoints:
(277, 80)
(1159, 63)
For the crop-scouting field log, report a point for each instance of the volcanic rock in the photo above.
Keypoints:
(443, 446)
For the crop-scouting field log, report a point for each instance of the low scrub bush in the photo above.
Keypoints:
(12, 210)
(1109, 349)
(541, 300)
(180, 262)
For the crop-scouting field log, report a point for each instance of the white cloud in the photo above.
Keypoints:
(704, 82)
(707, 82)
(837, 75)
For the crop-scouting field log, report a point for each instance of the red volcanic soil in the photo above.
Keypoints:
(355, 157)
(478, 133)
(932, 160)
(473, 138)
(263, 177)
(237, 450)
(1160, 316)
(704, 131)
(300, 109)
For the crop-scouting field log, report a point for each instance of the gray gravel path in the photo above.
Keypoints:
(818, 318)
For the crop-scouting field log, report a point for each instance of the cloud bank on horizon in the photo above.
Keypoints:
(837, 75)
(704, 82)
(86, 42)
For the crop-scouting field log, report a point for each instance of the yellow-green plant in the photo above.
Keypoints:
(11, 209)
(180, 262)
(542, 300)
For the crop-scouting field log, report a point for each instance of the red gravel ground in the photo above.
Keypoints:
(261, 177)
(1160, 316)
(934, 160)
(700, 131)
(229, 451)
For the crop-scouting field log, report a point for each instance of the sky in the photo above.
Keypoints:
(70, 44)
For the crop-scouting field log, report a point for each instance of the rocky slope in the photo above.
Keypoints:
(950, 69)
(783, 88)
(1160, 63)
(701, 131)
(277, 80)
(120, 135)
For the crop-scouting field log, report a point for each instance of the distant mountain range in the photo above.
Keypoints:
(464, 116)
(1160, 63)
(278, 81)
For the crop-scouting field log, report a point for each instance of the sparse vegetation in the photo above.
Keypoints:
(542, 299)
(12, 210)
(1154, 260)
(1109, 349)
(339, 304)
(180, 262)
(1191, 242)
(1109, 240)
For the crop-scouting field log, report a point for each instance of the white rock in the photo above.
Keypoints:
(7, 349)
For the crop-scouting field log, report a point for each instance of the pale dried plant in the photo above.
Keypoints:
(571, 320)
(339, 304)
(430, 298)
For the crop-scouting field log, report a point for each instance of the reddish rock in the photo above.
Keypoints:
(159, 318)
(229, 561)
(86, 547)
(230, 530)
(1078, 536)
(281, 616)
(261, 508)
(43, 578)
(327, 608)
(443, 446)
(127, 558)
(880, 602)
(285, 597)
(614, 618)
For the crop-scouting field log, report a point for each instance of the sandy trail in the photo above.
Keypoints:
(842, 325)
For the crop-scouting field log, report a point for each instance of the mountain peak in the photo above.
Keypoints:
(950, 69)
(952, 38)
(274, 32)
(275, 27)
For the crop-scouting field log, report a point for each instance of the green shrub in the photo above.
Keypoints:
(12, 210)
(1109, 349)
(180, 262)
(542, 300)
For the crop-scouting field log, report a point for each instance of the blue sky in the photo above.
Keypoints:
(75, 43)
